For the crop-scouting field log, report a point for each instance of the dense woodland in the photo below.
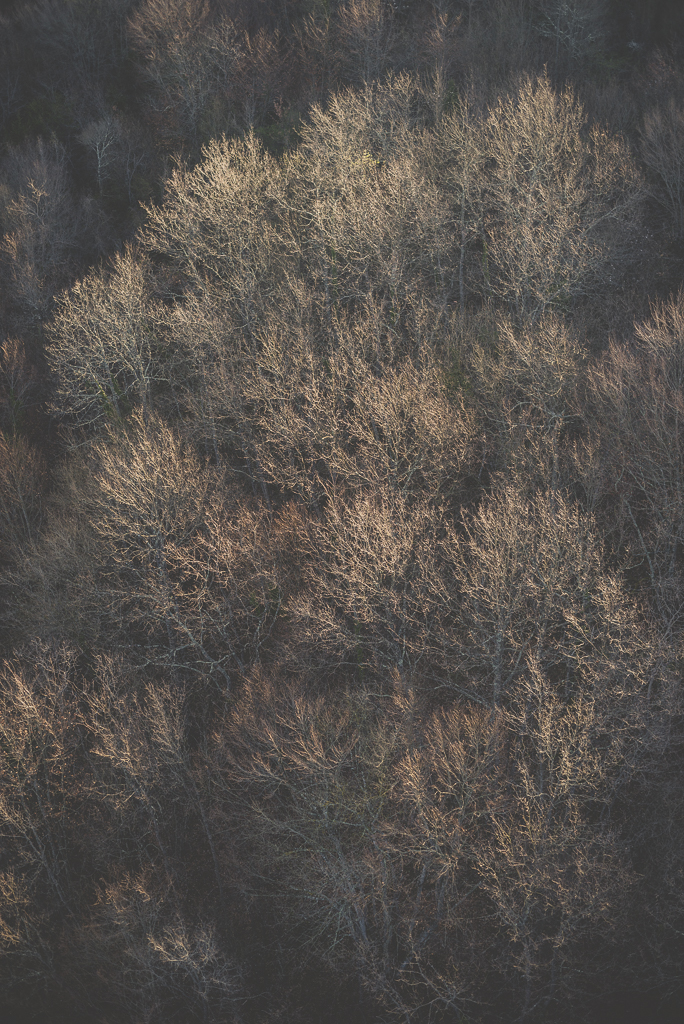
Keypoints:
(341, 511)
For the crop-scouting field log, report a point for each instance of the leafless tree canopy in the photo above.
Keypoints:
(341, 511)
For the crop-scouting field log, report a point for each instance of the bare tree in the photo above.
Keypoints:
(561, 203)
(144, 771)
(366, 34)
(23, 479)
(199, 582)
(216, 226)
(558, 880)
(638, 414)
(379, 589)
(103, 347)
(326, 787)
(39, 812)
(153, 958)
(663, 153)
(366, 225)
(192, 62)
(102, 138)
(19, 385)
(45, 227)
(527, 381)
(577, 29)
(318, 55)
(463, 155)
(533, 584)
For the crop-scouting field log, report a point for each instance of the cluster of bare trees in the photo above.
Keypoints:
(410, 740)
(456, 857)
(341, 512)
(520, 203)
(91, 772)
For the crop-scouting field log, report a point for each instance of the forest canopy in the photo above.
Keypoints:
(341, 511)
